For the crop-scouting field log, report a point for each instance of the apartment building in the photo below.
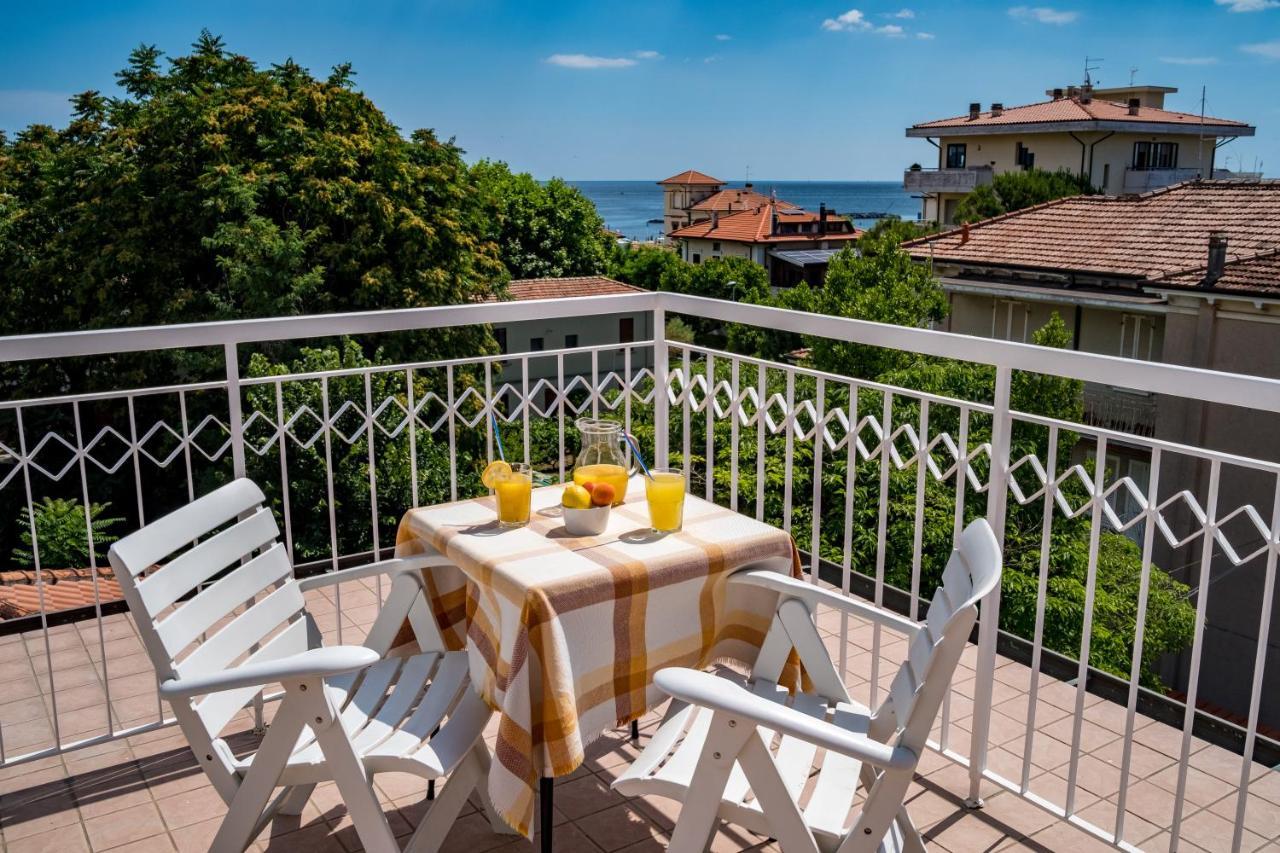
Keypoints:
(1122, 139)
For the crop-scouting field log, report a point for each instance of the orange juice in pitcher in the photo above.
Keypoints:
(604, 457)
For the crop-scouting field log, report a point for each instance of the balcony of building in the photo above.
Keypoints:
(946, 180)
(1145, 180)
(1064, 752)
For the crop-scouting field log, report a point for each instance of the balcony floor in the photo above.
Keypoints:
(146, 792)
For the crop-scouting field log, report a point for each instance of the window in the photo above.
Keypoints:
(1137, 337)
(501, 336)
(1024, 156)
(956, 155)
(1155, 155)
(1010, 319)
(1106, 175)
(570, 341)
(715, 247)
(627, 330)
(536, 344)
(697, 258)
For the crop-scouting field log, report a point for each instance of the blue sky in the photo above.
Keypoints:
(599, 90)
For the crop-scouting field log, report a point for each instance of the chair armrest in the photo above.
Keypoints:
(812, 594)
(394, 565)
(719, 694)
(314, 663)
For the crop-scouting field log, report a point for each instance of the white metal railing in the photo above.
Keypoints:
(281, 428)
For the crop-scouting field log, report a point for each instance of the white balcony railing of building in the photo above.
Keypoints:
(790, 443)
(946, 180)
(1144, 180)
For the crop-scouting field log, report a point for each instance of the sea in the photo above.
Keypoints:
(627, 206)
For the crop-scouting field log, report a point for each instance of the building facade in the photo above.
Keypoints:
(1122, 140)
(1189, 275)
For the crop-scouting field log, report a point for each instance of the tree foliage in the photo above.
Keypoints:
(212, 188)
(1010, 191)
(650, 267)
(62, 534)
(541, 230)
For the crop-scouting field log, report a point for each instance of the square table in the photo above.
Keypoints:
(565, 633)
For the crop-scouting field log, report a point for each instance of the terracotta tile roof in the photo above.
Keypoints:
(1072, 110)
(738, 199)
(690, 176)
(23, 599)
(560, 288)
(1253, 273)
(753, 226)
(1133, 237)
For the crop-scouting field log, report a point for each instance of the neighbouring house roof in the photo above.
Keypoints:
(691, 176)
(737, 199)
(1142, 237)
(1065, 114)
(755, 226)
(63, 589)
(560, 288)
(1253, 273)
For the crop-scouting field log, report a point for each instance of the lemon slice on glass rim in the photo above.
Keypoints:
(494, 470)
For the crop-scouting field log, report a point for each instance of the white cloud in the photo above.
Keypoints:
(1043, 14)
(925, 36)
(723, 37)
(710, 59)
(1189, 60)
(847, 22)
(647, 54)
(855, 21)
(1249, 5)
(583, 61)
(1266, 49)
(905, 14)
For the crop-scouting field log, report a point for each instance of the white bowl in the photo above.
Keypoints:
(586, 522)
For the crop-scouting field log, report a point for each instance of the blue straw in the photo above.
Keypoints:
(636, 450)
(497, 434)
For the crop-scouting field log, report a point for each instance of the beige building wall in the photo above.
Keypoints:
(1105, 331)
(705, 250)
(1104, 158)
(561, 332)
(677, 198)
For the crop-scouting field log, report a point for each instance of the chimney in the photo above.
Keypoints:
(964, 233)
(1217, 258)
(974, 109)
(1073, 91)
(1057, 94)
(1134, 104)
(773, 220)
(715, 219)
(822, 218)
(747, 186)
(997, 109)
(1086, 94)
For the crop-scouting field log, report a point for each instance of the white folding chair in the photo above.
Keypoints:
(223, 618)
(746, 754)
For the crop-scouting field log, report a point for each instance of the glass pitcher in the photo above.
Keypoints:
(604, 456)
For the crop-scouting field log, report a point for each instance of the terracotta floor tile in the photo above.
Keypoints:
(131, 824)
(618, 827)
(63, 839)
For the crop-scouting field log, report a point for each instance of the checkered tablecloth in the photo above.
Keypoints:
(565, 634)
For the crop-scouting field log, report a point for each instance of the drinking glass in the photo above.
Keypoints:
(665, 493)
(513, 490)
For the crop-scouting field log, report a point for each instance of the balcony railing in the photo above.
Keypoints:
(1143, 180)
(1120, 409)
(344, 450)
(946, 180)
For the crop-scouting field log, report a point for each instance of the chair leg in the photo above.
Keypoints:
(353, 780)
(296, 800)
(244, 814)
(706, 787)
(431, 833)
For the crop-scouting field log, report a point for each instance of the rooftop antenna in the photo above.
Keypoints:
(1133, 73)
(1088, 80)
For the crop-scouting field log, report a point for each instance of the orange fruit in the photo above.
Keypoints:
(590, 487)
(602, 494)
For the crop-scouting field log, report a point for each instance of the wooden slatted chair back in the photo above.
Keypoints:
(917, 689)
(211, 586)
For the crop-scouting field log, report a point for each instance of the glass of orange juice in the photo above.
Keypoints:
(665, 492)
(513, 490)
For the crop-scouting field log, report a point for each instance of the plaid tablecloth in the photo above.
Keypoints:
(565, 634)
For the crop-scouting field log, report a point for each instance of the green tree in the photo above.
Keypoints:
(889, 233)
(62, 535)
(1019, 189)
(541, 230)
(645, 266)
(212, 188)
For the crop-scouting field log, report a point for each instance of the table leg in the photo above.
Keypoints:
(635, 731)
(546, 792)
